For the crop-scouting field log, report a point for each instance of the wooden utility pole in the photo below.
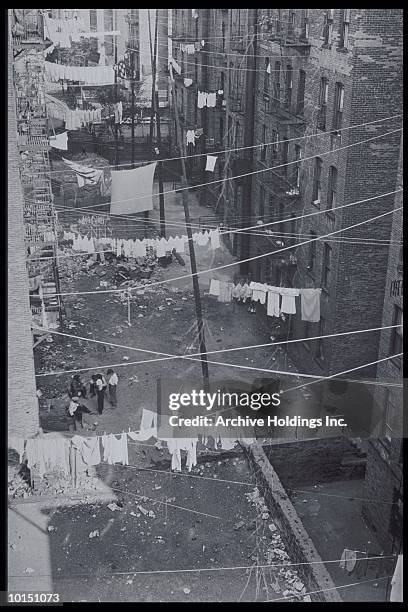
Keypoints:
(153, 55)
(160, 171)
(132, 67)
(116, 95)
(196, 286)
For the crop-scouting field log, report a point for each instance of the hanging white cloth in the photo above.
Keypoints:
(397, 589)
(188, 82)
(215, 239)
(132, 190)
(59, 141)
(190, 137)
(210, 165)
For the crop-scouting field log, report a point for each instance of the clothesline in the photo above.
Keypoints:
(263, 293)
(224, 266)
(235, 230)
(236, 177)
(274, 143)
(191, 358)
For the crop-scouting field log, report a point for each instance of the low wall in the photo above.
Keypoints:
(310, 462)
(299, 546)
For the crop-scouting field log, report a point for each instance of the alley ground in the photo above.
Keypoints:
(196, 521)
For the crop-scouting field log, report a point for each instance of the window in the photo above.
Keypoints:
(328, 27)
(392, 419)
(300, 102)
(338, 106)
(304, 28)
(221, 130)
(317, 184)
(277, 82)
(93, 25)
(319, 348)
(285, 155)
(291, 23)
(332, 188)
(326, 270)
(396, 336)
(279, 22)
(288, 85)
(262, 203)
(344, 28)
(306, 334)
(108, 24)
(275, 146)
(263, 149)
(312, 252)
(323, 97)
(298, 158)
(266, 76)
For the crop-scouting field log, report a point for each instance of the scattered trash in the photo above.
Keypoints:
(186, 590)
(50, 528)
(239, 525)
(113, 507)
(94, 534)
(143, 510)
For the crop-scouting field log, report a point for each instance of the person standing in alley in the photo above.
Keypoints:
(101, 385)
(112, 386)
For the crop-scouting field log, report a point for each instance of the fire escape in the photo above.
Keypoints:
(40, 217)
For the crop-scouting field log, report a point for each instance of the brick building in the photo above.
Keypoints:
(23, 418)
(384, 453)
(320, 73)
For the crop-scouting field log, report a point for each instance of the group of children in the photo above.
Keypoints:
(97, 387)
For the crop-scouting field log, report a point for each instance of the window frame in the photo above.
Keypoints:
(317, 182)
(338, 106)
(344, 29)
(332, 189)
(326, 266)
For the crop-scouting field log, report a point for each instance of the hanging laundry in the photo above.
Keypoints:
(194, 13)
(214, 287)
(225, 291)
(220, 92)
(348, 560)
(258, 292)
(88, 448)
(17, 444)
(198, 132)
(148, 427)
(132, 190)
(90, 175)
(272, 309)
(88, 75)
(190, 137)
(211, 100)
(397, 588)
(215, 239)
(236, 292)
(268, 68)
(210, 165)
(246, 293)
(201, 99)
(288, 305)
(227, 443)
(115, 449)
(60, 141)
(197, 46)
(188, 82)
(310, 304)
(161, 248)
(174, 447)
(175, 65)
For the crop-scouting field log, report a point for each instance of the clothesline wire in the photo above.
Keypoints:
(342, 373)
(216, 569)
(267, 144)
(366, 242)
(274, 143)
(224, 266)
(262, 170)
(167, 357)
(251, 484)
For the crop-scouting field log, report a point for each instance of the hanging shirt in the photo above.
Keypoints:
(214, 287)
(310, 304)
(210, 165)
(288, 305)
(273, 309)
(225, 292)
(211, 100)
(215, 239)
(190, 137)
(88, 448)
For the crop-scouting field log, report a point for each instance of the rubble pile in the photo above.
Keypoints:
(18, 487)
(288, 583)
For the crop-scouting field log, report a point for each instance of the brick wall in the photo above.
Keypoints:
(23, 418)
(299, 546)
